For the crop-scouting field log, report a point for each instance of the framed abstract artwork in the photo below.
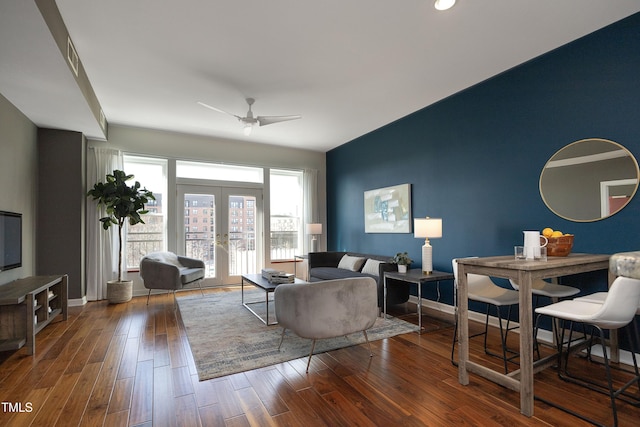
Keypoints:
(388, 209)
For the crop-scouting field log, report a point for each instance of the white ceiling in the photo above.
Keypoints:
(348, 67)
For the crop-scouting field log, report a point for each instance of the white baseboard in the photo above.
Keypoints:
(543, 335)
(77, 302)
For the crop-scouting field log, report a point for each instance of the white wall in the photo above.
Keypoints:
(18, 181)
(172, 145)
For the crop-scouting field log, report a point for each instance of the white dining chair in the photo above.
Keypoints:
(616, 310)
(482, 289)
(553, 291)
(542, 288)
(599, 298)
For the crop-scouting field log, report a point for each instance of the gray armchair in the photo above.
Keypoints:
(168, 271)
(327, 309)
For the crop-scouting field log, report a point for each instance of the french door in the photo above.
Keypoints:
(223, 227)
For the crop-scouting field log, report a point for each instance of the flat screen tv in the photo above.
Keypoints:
(10, 240)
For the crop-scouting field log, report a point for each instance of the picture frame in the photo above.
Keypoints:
(388, 209)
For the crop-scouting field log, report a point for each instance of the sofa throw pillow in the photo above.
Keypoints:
(352, 263)
(372, 267)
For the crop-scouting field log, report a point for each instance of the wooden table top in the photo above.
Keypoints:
(509, 261)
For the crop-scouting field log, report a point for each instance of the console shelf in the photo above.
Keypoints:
(27, 306)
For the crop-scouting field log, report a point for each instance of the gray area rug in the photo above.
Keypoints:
(226, 338)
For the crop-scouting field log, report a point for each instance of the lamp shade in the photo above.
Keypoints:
(444, 4)
(429, 228)
(314, 229)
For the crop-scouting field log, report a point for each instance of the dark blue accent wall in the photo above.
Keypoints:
(474, 159)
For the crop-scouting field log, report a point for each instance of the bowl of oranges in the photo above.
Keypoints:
(560, 244)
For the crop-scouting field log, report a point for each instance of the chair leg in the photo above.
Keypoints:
(148, 295)
(597, 386)
(503, 340)
(282, 338)
(366, 338)
(536, 328)
(313, 346)
(635, 346)
(200, 285)
(486, 328)
(453, 344)
(612, 394)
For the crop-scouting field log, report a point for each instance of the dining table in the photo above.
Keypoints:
(524, 272)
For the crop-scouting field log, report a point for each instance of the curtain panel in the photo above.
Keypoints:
(102, 245)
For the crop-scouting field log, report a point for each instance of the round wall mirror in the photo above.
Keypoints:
(589, 180)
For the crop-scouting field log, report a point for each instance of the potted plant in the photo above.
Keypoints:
(403, 261)
(123, 203)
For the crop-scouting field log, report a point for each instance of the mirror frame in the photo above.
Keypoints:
(604, 187)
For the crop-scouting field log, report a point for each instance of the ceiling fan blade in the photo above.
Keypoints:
(218, 110)
(267, 120)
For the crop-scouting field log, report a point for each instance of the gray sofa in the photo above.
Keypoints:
(325, 266)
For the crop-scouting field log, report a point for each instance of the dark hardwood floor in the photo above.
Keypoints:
(131, 365)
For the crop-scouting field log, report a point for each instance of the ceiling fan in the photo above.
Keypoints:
(249, 120)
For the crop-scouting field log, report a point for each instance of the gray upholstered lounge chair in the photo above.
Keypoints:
(168, 271)
(327, 309)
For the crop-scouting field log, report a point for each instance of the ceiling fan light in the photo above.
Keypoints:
(444, 4)
(248, 127)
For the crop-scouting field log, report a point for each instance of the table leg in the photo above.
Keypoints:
(419, 308)
(266, 303)
(463, 326)
(384, 298)
(526, 343)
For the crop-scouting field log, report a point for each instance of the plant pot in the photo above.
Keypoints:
(118, 292)
(402, 268)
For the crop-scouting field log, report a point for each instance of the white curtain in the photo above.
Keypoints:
(310, 204)
(102, 246)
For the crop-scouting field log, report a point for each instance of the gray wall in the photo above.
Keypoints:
(171, 145)
(18, 186)
(61, 207)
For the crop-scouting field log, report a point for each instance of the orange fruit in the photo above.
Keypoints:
(557, 234)
(547, 232)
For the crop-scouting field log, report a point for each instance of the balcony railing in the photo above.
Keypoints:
(241, 251)
(140, 244)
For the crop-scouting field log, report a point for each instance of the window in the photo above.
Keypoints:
(286, 214)
(142, 239)
(214, 171)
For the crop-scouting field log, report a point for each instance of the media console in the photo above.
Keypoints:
(28, 305)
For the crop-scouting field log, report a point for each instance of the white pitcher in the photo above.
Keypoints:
(532, 244)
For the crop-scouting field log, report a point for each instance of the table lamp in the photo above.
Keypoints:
(314, 230)
(427, 228)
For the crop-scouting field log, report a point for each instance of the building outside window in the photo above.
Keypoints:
(286, 214)
(142, 239)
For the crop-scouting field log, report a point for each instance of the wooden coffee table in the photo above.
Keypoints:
(260, 282)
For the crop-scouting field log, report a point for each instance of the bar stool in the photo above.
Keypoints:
(615, 312)
(483, 289)
(553, 291)
(542, 288)
(599, 298)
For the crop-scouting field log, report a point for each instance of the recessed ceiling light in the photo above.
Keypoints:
(444, 4)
